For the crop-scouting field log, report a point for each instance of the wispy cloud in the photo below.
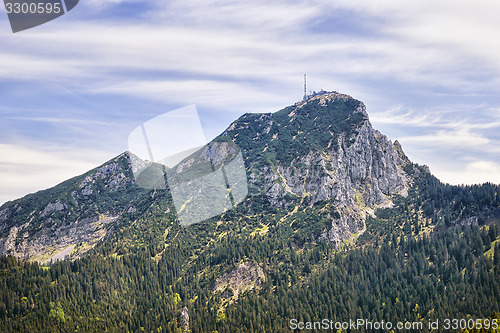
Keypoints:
(108, 65)
(476, 172)
(455, 118)
(240, 40)
(448, 139)
(457, 139)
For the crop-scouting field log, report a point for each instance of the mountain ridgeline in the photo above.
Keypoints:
(338, 223)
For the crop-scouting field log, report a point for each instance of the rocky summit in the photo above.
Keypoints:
(320, 150)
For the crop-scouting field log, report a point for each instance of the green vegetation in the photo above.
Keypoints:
(295, 131)
(142, 276)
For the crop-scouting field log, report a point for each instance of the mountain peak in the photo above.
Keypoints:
(325, 96)
(321, 149)
(315, 124)
(335, 99)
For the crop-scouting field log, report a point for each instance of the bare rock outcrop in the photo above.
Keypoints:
(246, 276)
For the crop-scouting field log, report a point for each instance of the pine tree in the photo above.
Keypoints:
(496, 255)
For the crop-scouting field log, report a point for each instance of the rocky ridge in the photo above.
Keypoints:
(359, 169)
(69, 219)
(320, 150)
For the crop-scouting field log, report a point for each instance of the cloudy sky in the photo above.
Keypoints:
(73, 89)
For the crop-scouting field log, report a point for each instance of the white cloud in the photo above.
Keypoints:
(458, 139)
(215, 39)
(221, 40)
(476, 172)
(239, 96)
(257, 15)
(449, 116)
(94, 5)
(398, 116)
(461, 129)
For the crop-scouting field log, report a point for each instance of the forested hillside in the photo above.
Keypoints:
(398, 270)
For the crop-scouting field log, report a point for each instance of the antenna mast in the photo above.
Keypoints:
(305, 87)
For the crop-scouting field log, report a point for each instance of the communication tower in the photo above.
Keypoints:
(305, 88)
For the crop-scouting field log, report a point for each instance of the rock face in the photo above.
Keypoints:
(184, 319)
(318, 150)
(369, 165)
(50, 242)
(246, 276)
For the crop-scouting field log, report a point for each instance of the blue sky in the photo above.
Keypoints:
(73, 89)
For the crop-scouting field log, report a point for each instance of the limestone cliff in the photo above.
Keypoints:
(346, 160)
